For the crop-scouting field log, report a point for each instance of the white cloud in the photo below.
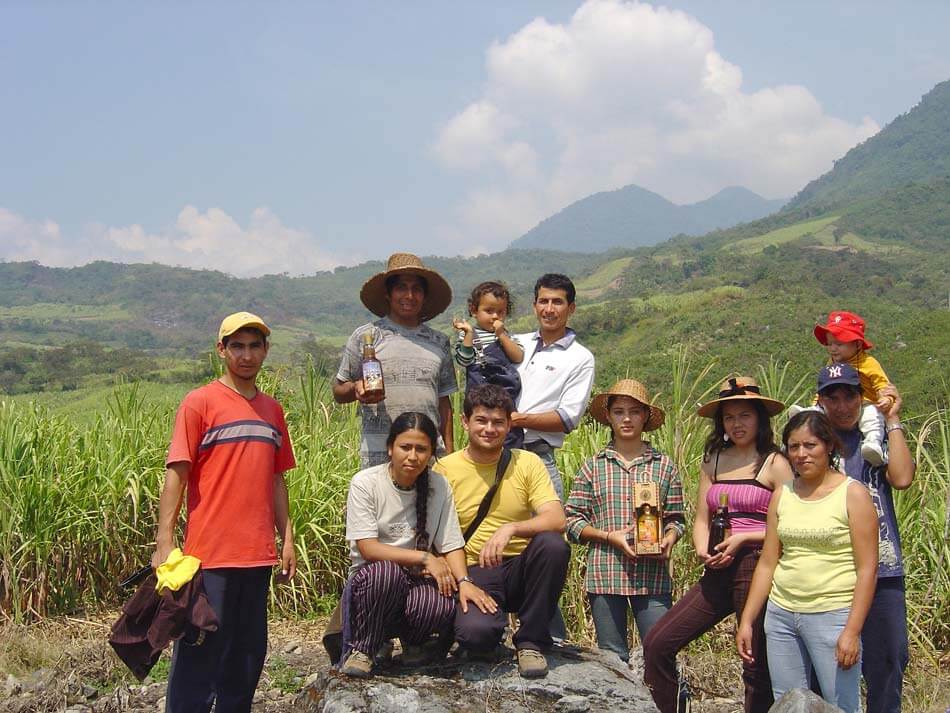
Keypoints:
(212, 240)
(622, 93)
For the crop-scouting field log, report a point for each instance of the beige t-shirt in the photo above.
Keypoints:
(376, 508)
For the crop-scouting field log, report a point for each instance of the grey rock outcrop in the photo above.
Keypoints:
(589, 682)
(798, 700)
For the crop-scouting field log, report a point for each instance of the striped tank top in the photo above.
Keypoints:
(748, 501)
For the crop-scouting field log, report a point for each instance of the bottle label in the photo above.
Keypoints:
(373, 376)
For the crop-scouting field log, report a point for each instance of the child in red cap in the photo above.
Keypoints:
(843, 337)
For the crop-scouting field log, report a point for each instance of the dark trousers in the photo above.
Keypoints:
(388, 601)
(224, 669)
(884, 652)
(718, 593)
(529, 584)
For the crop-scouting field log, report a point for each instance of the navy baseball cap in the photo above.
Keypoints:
(835, 374)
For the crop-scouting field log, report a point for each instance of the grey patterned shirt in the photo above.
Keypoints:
(417, 371)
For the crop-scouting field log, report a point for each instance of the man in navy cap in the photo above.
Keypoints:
(884, 638)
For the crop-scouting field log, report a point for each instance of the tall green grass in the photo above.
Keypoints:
(78, 502)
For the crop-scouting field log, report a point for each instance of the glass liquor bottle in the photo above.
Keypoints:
(720, 528)
(648, 526)
(371, 369)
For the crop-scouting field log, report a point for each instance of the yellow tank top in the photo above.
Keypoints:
(816, 571)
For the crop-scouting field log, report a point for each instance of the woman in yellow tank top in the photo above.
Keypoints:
(817, 570)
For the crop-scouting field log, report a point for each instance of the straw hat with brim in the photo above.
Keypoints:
(438, 292)
(740, 387)
(636, 391)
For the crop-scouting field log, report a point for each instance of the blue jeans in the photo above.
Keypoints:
(545, 451)
(609, 612)
(798, 641)
(884, 646)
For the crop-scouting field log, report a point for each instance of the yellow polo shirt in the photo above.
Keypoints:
(525, 486)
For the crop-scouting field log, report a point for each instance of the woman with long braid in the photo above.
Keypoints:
(407, 551)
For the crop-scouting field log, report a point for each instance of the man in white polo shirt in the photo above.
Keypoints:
(557, 373)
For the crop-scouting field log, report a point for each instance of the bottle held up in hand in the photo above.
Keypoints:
(372, 369)
(648, 519)
(720, 527)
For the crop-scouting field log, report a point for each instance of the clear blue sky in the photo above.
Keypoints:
(294, 136)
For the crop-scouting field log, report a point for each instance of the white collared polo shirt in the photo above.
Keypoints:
(557, 377)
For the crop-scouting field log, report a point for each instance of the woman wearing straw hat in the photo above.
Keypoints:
(741, 460)
(418, 371)
(600, 512)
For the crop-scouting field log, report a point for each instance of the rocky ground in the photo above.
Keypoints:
(66, 665)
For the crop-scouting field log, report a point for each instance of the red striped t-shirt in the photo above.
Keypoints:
(235, 447)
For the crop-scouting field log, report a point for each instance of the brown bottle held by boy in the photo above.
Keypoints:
(646, 505)
(721, 526)
(372, 369)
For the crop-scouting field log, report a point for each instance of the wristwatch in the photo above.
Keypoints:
(894, 427)
(466, 578)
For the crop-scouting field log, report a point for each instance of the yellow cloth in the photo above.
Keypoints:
(525, 487)
(176, 571)
(871, 373)
(816, 571)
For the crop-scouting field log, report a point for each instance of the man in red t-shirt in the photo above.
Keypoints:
(229, 449)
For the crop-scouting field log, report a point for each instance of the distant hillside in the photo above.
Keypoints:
(168, 309)
(744, 295)
(632, 217)
(915, 147)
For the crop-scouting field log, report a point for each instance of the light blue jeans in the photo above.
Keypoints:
(545, 452)
(609, 612)
(797, 641)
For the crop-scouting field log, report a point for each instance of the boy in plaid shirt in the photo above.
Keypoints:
(600, 512)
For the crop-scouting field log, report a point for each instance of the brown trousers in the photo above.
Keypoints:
(718, 593)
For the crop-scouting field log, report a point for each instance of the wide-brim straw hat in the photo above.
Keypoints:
(740, 388)
(636, 391)
(438, 292)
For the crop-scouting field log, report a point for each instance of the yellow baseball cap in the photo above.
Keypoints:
(240, 320)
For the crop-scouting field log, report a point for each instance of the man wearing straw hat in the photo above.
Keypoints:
(418, 372)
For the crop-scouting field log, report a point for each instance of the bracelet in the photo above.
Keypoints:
(466, 578)
(607, 538)
(425, 559)
(894, 427)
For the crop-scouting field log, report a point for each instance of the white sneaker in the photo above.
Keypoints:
(872, 453)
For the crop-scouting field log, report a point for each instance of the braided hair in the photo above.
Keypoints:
(416, 421)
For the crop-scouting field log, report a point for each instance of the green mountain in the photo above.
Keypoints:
(913, 148)
(744, 296)
(754, 293)
(632, 216)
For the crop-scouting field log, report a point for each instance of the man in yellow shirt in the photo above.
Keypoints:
(517, 553)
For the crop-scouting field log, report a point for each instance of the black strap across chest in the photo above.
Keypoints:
(485, 505)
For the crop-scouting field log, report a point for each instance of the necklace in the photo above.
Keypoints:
(403, 488)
